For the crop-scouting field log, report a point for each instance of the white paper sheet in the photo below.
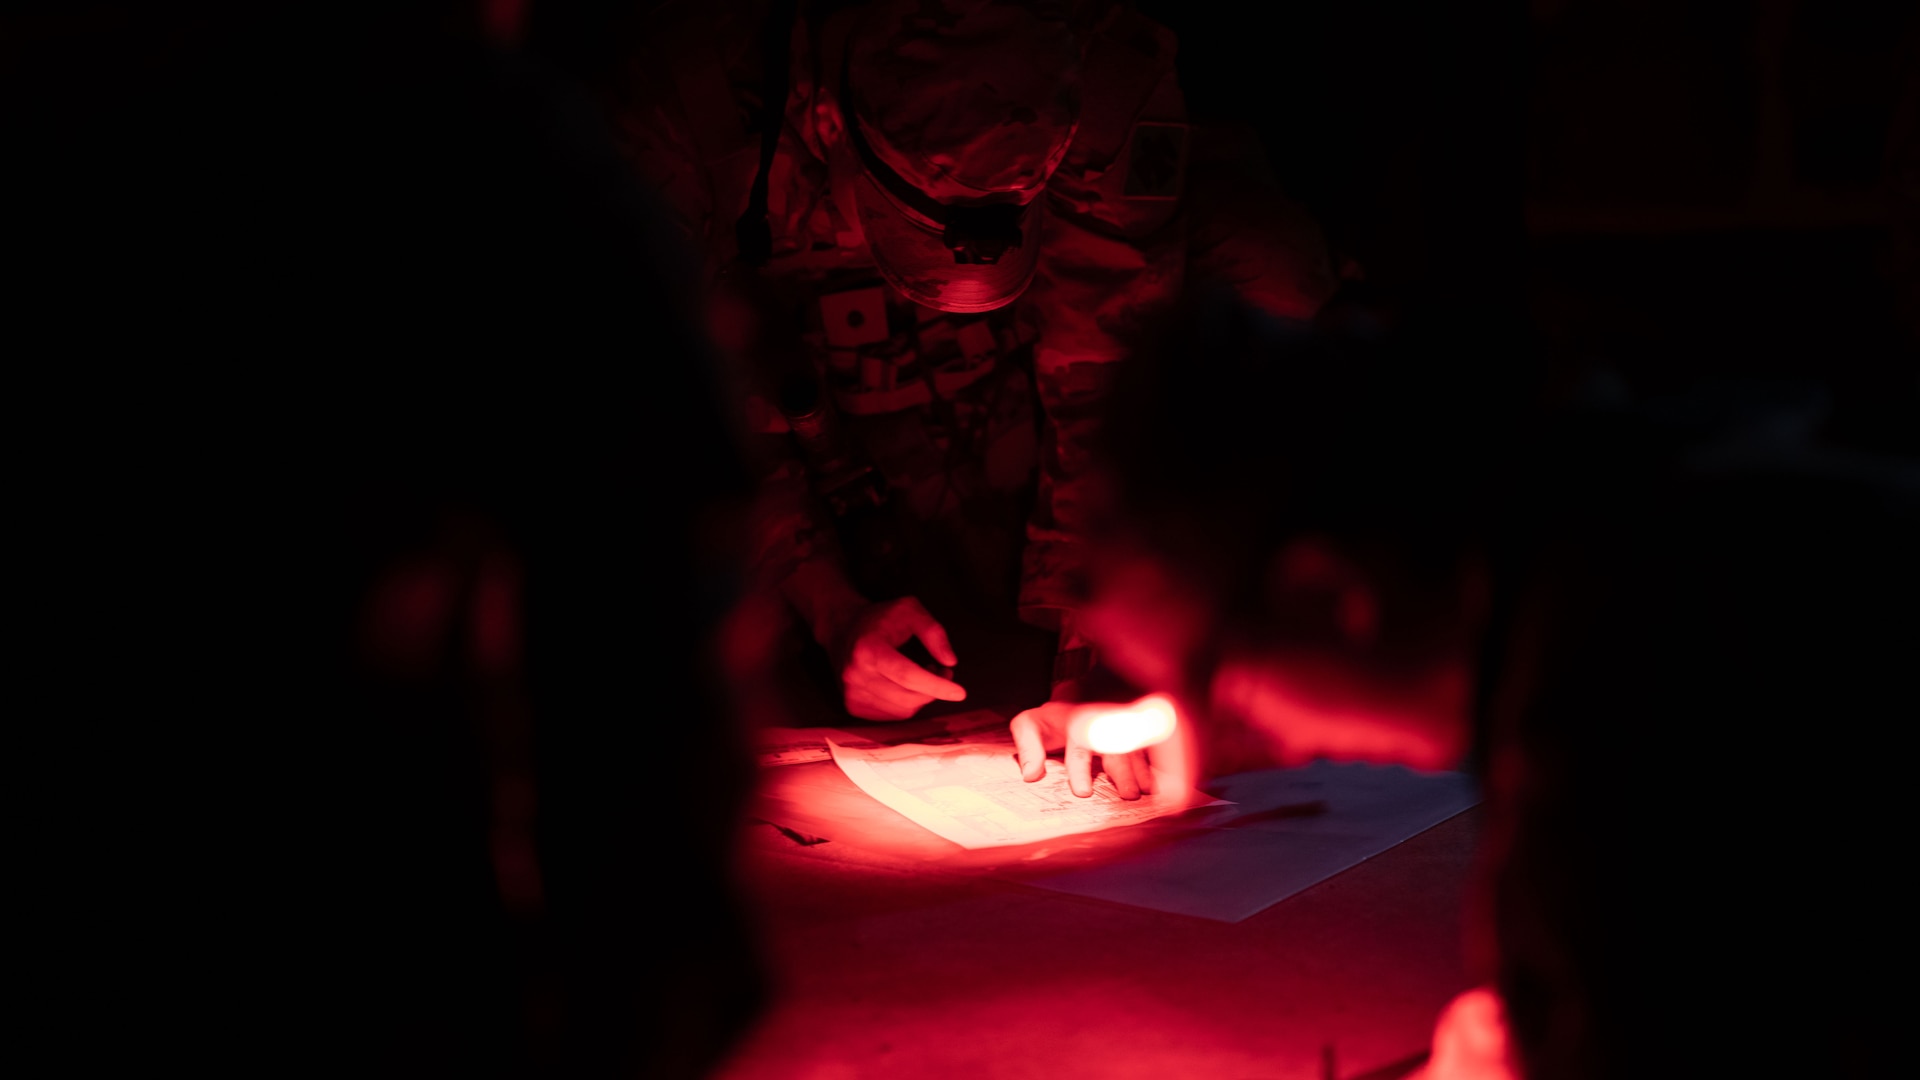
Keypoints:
(972, 794)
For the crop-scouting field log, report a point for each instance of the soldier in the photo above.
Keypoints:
(958, 214)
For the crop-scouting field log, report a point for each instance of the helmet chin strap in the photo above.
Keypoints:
(977, 235)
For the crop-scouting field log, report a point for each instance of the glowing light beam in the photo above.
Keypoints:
(1133, 727)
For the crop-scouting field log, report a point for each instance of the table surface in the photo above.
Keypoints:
(907, 962)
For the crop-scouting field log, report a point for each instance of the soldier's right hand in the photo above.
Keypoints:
(882, 683)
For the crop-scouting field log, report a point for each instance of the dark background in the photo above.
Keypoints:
(1669, 191)
(212, 210)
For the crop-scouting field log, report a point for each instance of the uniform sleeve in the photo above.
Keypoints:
(676, 121)
(1089, 295)
(789, 524)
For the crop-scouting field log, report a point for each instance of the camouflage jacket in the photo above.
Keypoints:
(944, 405)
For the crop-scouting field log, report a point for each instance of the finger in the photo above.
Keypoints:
(1175, 762)
(867, 707)
(1119, 769)
(1029, 747)
(1053, 721)
(905, 672)
(894, 695)
(920, 622)
(887, 700)
(870, 706)
(1142, 771)
(1080, 769)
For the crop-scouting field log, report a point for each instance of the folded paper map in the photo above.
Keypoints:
(972, 794)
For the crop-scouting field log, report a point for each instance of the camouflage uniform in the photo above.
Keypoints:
(943, 402)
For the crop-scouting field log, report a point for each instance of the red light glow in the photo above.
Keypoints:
(1146, 722)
